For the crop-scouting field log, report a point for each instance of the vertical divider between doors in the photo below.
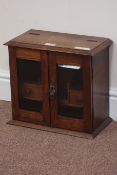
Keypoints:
(53, 79)
(49, 79)
(45, 82)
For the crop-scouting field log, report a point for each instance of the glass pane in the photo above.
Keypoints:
(70, 95)
(30, 86)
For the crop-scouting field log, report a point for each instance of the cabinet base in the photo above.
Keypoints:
(61, 131)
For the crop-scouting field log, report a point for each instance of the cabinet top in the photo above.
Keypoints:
(60, 42)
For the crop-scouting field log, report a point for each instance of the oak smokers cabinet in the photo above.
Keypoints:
(60, 80)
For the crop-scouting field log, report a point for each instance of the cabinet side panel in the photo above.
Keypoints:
(13, 82)
(100, 65)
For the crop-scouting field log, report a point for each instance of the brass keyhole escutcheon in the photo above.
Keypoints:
(52, 90)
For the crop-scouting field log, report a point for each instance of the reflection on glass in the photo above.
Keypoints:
(70, 96)
(30, 87)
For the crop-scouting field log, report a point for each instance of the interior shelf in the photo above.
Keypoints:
(78, 105)
(70, 111)
(31, 105)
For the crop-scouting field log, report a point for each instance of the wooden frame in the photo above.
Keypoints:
(25, 115)
(52, 49)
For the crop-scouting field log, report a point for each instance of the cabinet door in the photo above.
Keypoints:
(29, 85)
(70, 91)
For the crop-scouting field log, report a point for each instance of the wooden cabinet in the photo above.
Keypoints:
(60, 80)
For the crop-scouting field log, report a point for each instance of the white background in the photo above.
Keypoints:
(85, 17)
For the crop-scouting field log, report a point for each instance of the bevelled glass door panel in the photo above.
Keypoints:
(30, 85)
(70, 91)
(70, 100)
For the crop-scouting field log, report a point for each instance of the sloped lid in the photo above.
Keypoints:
(61, 42)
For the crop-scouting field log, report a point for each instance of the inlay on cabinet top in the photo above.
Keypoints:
(60, 42)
